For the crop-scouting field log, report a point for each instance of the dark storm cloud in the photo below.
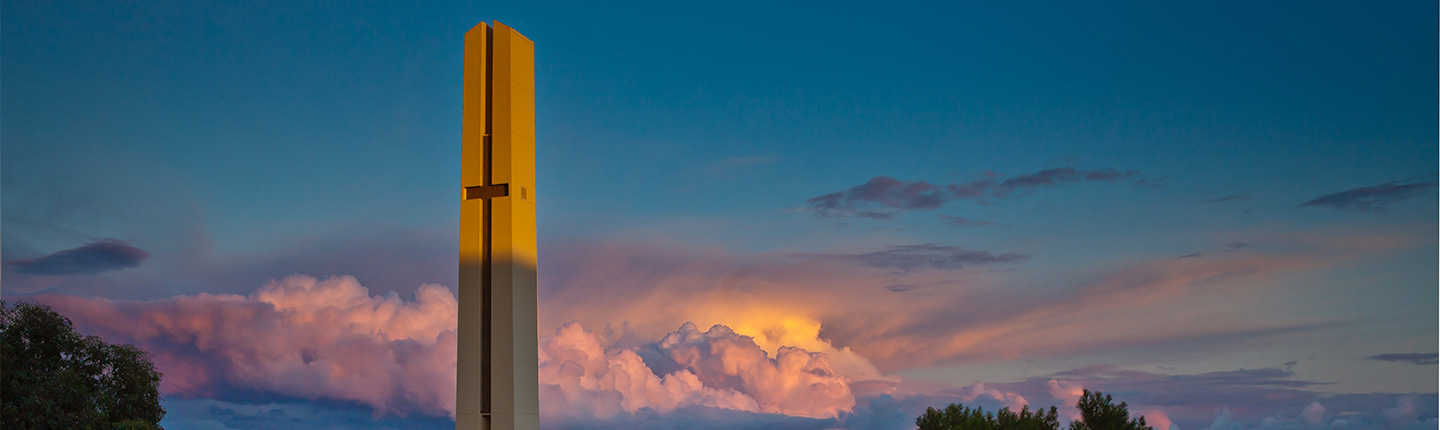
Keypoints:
(906, 258)
(96, 257)
(1412, 357)
(1371, 199)
(882, 197)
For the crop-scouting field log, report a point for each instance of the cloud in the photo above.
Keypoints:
(284, 414)
(1055, 176)
(300, 337)
(882, 197)
(582, 380)
(1373, 199)
(973, 392)
(93, 258)
(966, 222)
(906, 258)
(1412, 357)
(1195, 255)
(1230, 198)
(846, 304)
(733, 163)
(1313, 414)
(1405, 412)
(1264, 398)
(883, 191)
(305, 338)
(332, 340)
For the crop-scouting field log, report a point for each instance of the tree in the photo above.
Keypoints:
(961, 417)
(1097, 413)
(53, 377)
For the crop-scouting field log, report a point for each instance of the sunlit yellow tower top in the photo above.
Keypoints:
(497, 367)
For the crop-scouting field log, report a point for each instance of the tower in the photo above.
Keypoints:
(496, 375)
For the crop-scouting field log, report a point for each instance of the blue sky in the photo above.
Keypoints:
(1256, 180)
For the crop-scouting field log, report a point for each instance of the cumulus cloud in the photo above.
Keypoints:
(1067, 393)
(1372, 199)
(1154, 417)
(1313, 414)
(306, 338)
(1224, 420)
(976, 391)
(100, 256)
(1404, 412)
(331, 339)
(1265, 398)
(882, 197)
(299, 336)
(581, 379)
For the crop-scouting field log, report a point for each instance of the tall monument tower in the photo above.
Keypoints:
(496, 376)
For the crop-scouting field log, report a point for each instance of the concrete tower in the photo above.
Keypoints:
(496, 379)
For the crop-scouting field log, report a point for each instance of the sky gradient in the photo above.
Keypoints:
(751, 215)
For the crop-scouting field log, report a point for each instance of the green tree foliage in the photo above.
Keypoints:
(960, 417)
(1098, 413)
(52, 377)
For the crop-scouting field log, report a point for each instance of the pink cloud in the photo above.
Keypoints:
(1009, 399)
(299, 336)
(331, 339)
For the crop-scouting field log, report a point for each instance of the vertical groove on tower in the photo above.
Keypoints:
(487, 309)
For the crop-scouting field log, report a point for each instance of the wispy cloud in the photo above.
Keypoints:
(743, 162)
(891, 194)
(1412, 357)
(906, 258)
(882, 197)
(966, 222)
(1372, 199)
(1230, 198)
(95, 257)
(1058, 175)
(964, 316)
